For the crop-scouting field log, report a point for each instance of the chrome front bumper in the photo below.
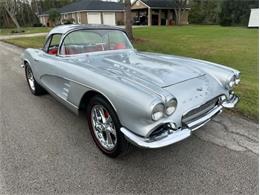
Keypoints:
(171, 136)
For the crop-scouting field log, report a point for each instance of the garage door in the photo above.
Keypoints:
(109, 18)
(94, 18)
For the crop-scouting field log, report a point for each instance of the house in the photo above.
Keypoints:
(90, 12)
(254, 18)
(157, 12)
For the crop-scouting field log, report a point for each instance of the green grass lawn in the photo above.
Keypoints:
(232, 46)
(27, 42)
(27, 30)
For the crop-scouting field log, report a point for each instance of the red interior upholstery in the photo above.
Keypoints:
(120, 46)
(53, 51)
(71, 50)
(76, 50)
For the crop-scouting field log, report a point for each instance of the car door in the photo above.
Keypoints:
(52, 68)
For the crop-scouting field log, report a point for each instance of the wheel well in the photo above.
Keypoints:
(87, 97)
(25, 62)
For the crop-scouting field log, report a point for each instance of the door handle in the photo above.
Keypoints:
(35, 60)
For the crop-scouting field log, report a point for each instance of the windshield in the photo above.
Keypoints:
(85, 41)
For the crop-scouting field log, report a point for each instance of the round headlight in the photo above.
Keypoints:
(171, 106)
(237, 81)
(231, 82)
(158, 112)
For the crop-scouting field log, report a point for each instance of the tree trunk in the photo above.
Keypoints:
(12, 16)
(176, 16)
(180, 10)
(179, 16)
(179, 13)
(128, 20)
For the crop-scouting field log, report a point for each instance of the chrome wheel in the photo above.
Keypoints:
(103, 126)
(30, 78)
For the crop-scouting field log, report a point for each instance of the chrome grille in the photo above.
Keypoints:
(200, 111)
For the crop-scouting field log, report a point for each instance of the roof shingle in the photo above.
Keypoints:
(160, 3)
(164, 4)
(92, 5)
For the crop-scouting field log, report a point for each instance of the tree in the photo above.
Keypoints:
(128, 20)
(54, 15)
(25, 11)
(10, 7)
(204, 11)
(45, 5)
(180, 9)
(236, 12)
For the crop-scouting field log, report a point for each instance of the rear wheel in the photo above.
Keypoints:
(105, 127)
(35, 88)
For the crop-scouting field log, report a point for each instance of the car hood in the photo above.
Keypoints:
(143, 68)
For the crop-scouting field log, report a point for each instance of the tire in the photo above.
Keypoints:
(120, 144)
(34, 87)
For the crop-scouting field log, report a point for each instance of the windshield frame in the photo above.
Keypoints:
(92, 29)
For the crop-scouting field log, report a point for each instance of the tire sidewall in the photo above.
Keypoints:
(26, 74)
(98, 100)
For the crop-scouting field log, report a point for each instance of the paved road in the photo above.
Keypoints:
(4, 37)
(44, 149)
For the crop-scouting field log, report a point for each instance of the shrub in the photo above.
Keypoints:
(37, 25)
(17, 31)
(203, 12)
(68, 21)
(54, 15)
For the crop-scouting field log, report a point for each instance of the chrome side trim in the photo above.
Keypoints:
(65, 102)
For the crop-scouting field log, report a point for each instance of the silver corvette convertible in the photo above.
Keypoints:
(150, 100)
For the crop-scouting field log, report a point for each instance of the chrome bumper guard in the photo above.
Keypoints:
(231, 103)
(171, 136)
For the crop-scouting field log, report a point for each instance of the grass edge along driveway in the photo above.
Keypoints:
(235, 47)
(27, 30)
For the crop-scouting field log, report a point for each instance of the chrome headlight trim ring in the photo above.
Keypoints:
(171, 106)
(158, 112)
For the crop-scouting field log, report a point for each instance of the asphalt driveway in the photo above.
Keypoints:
(44, 148)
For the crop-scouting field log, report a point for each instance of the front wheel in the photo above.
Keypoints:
(105, 127)
(35, 88)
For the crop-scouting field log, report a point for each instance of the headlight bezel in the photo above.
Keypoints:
(231, 82)
(237, 80)
(171, 103)
(161, 109)
(158, 111)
